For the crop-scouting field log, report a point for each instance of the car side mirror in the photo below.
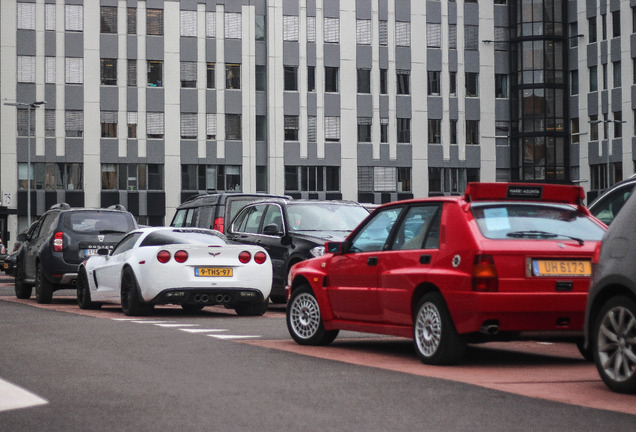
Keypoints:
(103, 252)
(22, 237)
(333, 247)
(272, 229)
(286, 240)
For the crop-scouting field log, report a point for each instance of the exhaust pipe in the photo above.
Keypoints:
(490, 329)
(219, 298)
(226, 298)
(197, 298)
(205, 298)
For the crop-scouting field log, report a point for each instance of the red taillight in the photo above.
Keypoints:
(597, 253)
(260, 257)
(163, 256)
(484, 274)
(58, 241)
(245, 257)
(218, 224)
(181, 256)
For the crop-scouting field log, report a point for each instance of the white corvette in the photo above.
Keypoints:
(191, 267)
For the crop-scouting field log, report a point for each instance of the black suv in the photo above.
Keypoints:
(214, 210)
(293, 230)
(607, 206)
(59, 241)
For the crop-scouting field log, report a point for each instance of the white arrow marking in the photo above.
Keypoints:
(14, 397)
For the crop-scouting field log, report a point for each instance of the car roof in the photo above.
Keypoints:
(291, 201)
(215, 198)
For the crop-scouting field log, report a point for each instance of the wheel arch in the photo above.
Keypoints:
(420, 291)
(605, 295)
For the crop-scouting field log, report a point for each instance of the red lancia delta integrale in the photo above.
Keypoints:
(502, 262)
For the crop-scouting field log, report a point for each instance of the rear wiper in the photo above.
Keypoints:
(112, 232)
(542, 234)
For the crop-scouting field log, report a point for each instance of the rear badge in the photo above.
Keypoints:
(100, 238)
(457, 260)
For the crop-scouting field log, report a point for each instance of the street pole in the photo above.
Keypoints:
(29, 106)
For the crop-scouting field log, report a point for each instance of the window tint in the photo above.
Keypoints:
(187, 236)
(419, 229)
(183, 218)
(609, 206)
(94, 222)
(46, 225)
(534, 221)
(274, 216)
(126, 243)
(250, 219)
(374, 235)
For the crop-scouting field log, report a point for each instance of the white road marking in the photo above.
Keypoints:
(229, 337)
(14, 397)
(148, 322)
(203, 330)
(176, 325)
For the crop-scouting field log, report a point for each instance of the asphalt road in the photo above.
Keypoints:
(74, 370)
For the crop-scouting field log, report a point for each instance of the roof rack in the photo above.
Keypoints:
(61, 206)
(117, 207)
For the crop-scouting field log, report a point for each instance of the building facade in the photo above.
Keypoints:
(150, 102)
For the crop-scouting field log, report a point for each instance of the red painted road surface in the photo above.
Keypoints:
(551, 371)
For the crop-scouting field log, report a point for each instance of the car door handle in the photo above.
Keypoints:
(425, 259)
(372, 261)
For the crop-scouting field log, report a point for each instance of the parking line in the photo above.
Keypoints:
(230, 337)
(202, 330)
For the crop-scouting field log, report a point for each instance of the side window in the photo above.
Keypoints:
(375, 233)
(250, 219)
(181, 218)
(419, 229)
(273, 217)
(47, 224)
(126, 243)
(609, 208)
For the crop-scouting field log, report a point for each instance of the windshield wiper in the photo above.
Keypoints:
(542, 234)
(108, 231)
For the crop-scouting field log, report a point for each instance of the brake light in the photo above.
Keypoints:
(597, 253)
(245, 257)
(218, 224)
(260, 257)
(58, 241)
(181, 256)
(485, 274)
(163, 256)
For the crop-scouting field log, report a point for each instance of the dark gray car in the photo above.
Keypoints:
(610, 323)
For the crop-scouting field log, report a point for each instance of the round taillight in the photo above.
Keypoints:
(181, 256)
(245, 257)
(260, 257)
(163, 256)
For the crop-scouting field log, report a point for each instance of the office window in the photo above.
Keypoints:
(51, 176)
(452, 36)
(260, 28)
(26, 69)
(311, 29)
(618, 124)
(108, 71)
(49, 16)
(74, 123)
(74, 70)
(616, 66)
(210, 76)
(331, 30)
(49, 122)
(402, 33)
(332, 128)
(471, 37)
(311, 129)
(453, 131)
(573, 31)
(472, 84)
(363, 32)
(290, 78)
(210, 126)
(364, 80)
(434, 131)
(312, 178)
(593, 79)
(383, 31)
(604, 77)
(591, 29)
(49, 70)
(233, 127)
(261, 128)
(291, 128)
(433, 35)
(574, 129)
(131, 20)
(132, 176)
(574, 82)
(450, 180)
(108, 19)
(472, 131)
(232, 25)
(132, 72)
(311, 78)
(74, 18)
(501, 86)
(404, 130)
(188, 74)
(261, 78)
(383, 81)
(155, 73)
(593, 128)
(26, 16)
(155, 124)
(108, 120)
(364, 129)
(290, 27)
(232, 76)
(23, 122)
(384, 179)
(332, 80)
(188, 23)
(189, 126)
(132, 121)
(434, 83)
(604, 26)
(616, 23)
(210, 24)
(452, 83)
(154, 22)
(384, 130)
(403, 82)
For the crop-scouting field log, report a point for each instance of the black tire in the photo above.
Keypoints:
(131, 303)
(613, 343)
(191, 308)
(304, 322)
(435, 338)
(43, 288)
(84, 293)
(254, 309)
(22, 290)
(278, 299)
(586, 353)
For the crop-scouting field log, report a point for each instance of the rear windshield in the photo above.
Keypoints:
(95, 222)
(166, 237)
(534, 221)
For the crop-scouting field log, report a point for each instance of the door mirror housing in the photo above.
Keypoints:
(272, 229)
(333, 248)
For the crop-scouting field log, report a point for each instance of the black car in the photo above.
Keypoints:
(59, 241)
(294, 230)
(610, 319)
(214, 210)
(607, 205)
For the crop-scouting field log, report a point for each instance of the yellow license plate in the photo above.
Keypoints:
(213, 272)
(561, 268)
(5, 265)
